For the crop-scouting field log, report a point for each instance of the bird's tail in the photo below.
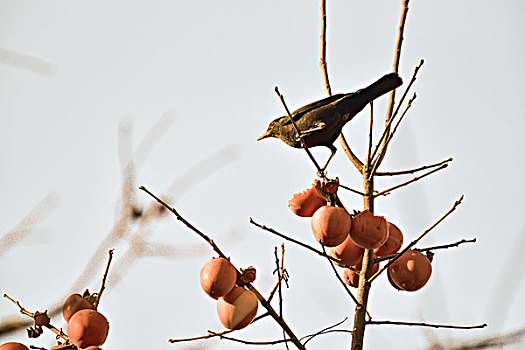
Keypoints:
(351, 104)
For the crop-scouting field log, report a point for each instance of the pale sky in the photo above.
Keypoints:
(73, 72)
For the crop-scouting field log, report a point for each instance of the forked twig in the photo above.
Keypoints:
(385, 192)
(23, 311)
(390, 136)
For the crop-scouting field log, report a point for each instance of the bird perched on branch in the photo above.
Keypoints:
(321, 122)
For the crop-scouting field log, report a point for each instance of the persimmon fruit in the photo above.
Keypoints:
(393, 242)
(306, 203)
(369, 231)
(87, 328)
(13, 346)
(411, 271)
(74, 303)
(347, 252)
(331, 225)
(237, 309)
(218, 277)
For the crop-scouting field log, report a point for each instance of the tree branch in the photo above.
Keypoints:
(385, 192)
(411, 171)
(263, 301)
(423, 324)
(304, 245)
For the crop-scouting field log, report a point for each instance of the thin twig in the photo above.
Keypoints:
(386, 131)
(324, 66)
(414, 242)
(299, 135)
(278, 269)
(331, 331)
(348, 291)
(324, 69)
(212, 334)
(103, 285)
(423, 324)
(322, 331)
(251, 342)
(397, 59)
(353, 158)
(385, 192)
(23, 311)
(446, 246)
(370, 138)
(390, 135)
(259, 296)
(400, 103)
(304, 245)
(351, 190)
(428, 249)
(185, 222)
(411, 171)
(284, 276)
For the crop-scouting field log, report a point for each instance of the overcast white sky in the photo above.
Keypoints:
(71, 72)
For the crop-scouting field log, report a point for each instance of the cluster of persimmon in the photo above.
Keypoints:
(348, 237)
(236, 306)
(87, 328)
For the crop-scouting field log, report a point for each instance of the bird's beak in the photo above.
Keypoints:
(265, 135)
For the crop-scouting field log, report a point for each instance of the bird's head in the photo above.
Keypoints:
(274, 129)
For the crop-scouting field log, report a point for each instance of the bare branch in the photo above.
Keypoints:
(304, 245)
(103, 285)
(212, 334)
(428, 249)
(397, 59)
(263, 301)
(323, 331)
(353, 158)
(390, 135)
(370, 138)
(386, 192)
(423, 324)
(250, 342)
(23, 311)
(411, 171)
(324, 67)
(351, 190)
(299, 135)
(446, 246)
(283, 275)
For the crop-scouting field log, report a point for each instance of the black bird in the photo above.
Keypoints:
(321, 122)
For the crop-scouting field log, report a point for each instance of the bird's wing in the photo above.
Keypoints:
(298, 113)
